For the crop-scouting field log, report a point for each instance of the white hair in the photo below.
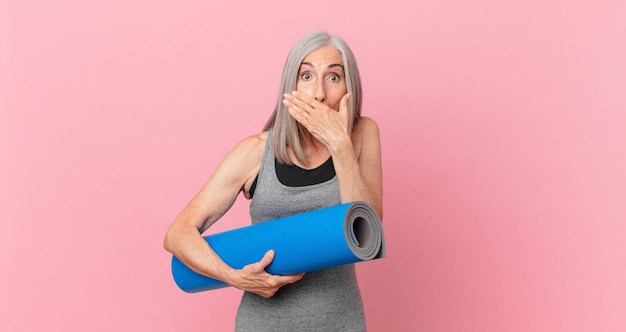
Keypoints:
(286, 131)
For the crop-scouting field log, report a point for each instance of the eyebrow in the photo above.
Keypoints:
(329, 66)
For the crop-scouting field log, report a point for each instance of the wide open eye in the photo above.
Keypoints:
(334, 78)
(306, 76)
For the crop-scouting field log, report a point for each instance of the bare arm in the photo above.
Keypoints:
(356, 155)
(184, 239)
(358, 165)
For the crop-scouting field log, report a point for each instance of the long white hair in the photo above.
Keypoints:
(286, 131)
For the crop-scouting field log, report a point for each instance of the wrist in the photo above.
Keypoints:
(226, 273)
(340, 146)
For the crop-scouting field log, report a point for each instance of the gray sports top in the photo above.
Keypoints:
(325, 300)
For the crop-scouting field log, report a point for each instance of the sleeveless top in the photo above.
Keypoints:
(325, 300)
(296, 176)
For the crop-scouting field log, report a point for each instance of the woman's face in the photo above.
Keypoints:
(321, 76)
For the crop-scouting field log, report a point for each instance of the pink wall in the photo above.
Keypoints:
(504, 136)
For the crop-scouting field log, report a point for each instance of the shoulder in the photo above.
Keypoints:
(246, 158)
(366, 137)
(365, 129)
(365, 126)
(251, 145)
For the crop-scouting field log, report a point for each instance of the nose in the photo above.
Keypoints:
(319, 91)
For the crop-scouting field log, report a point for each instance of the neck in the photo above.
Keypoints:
(310, 144)
(314, 151)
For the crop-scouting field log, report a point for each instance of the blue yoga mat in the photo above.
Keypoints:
(305, 242)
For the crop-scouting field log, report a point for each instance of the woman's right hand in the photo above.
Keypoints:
(253, 278)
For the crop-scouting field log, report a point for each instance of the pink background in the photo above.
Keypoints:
(504, 139)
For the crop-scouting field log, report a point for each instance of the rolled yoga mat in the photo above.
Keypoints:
(305, 242)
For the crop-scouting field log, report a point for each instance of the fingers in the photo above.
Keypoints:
(326, 124)
(343, 106)
(255, 279)
(275, 282)
(267, 259)
(295, 278)
(300, 110)
(298, 114)
(306, 109)
(299, 101)
(304, 104)
(279, 281)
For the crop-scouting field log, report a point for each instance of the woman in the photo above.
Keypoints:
(315, 151)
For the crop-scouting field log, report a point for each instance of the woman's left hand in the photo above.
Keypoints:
(326, 124)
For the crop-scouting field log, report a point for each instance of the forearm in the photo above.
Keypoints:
(184, 239)
(194, 251)
(189, 247)
(352, 184)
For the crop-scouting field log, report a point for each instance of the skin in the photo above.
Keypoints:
(320, 104)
